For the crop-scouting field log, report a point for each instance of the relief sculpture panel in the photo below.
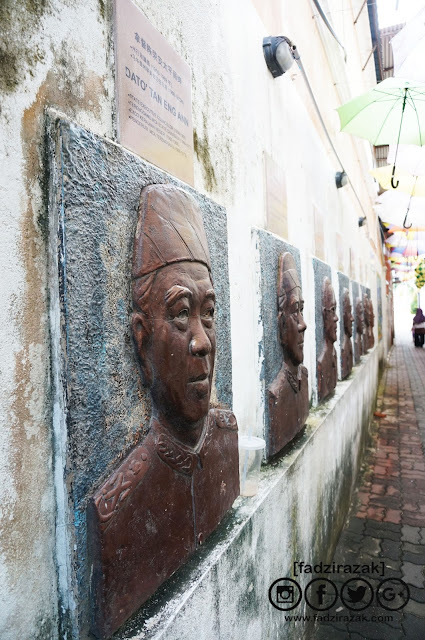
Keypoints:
(368, 337)
(327, 363)
(173, 489)
(283, 376)
(288, 400)
(371, 324)
(358, 343)
(366, 327)
(347, 347)
(142, 376)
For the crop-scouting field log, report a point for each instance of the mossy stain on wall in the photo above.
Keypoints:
(19, 53)
(202, 150)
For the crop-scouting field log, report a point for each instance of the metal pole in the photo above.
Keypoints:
(368, 58)
(329, 26)
(361, 9)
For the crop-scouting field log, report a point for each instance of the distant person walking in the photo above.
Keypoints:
(418, 328)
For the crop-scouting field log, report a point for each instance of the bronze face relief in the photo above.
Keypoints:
(366, 329)
(288, 400)
(347, 347)
(371, 341)
(326, 363)
(171, 491)
(358, 343)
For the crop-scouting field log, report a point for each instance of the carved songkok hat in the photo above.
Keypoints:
(288, 275)
(170, 229)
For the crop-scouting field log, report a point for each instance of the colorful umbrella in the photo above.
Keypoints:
(420, 274)
(406, 249)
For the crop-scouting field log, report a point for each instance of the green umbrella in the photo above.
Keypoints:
(391, 112)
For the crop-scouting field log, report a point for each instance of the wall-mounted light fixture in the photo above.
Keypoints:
(279, 53)
(341, 179)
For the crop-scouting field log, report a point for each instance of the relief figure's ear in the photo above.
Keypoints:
(142, 333)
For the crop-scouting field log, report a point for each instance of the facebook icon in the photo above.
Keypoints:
(321, 594)
(321, 590)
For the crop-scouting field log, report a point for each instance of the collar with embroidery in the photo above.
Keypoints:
(294, 380)
(178, 456)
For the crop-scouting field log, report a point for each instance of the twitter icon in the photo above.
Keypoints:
(356, 594)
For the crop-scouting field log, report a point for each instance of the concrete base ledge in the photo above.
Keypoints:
(304, 496)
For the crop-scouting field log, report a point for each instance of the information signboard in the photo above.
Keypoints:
(154, 94)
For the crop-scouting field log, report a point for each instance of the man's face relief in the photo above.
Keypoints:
(359, 317)
(366, 311)
(329, 313)
(181, 350)
(294, 327)
(348, 317)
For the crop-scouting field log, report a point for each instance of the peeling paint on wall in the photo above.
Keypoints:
(44, 61)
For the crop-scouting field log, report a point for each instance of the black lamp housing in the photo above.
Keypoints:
(270, 47)
(341, 179)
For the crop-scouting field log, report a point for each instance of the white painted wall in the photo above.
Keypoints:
(59, 53)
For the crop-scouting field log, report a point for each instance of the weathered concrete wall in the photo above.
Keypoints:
(60, 53)
(296, 516)
(51, 52)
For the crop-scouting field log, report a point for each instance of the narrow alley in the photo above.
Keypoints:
(387, 518)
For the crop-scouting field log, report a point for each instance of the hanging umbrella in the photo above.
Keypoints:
(410, 158)
(420, 269)
(392, 205)
(391, 112)
(420, 274)
(397, 260)
(408, 47)
(406, 248)
(414, 185)
(411, 250)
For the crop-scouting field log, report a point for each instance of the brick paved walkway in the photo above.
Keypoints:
(387, 518)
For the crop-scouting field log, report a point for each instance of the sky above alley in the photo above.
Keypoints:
(397, 11)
